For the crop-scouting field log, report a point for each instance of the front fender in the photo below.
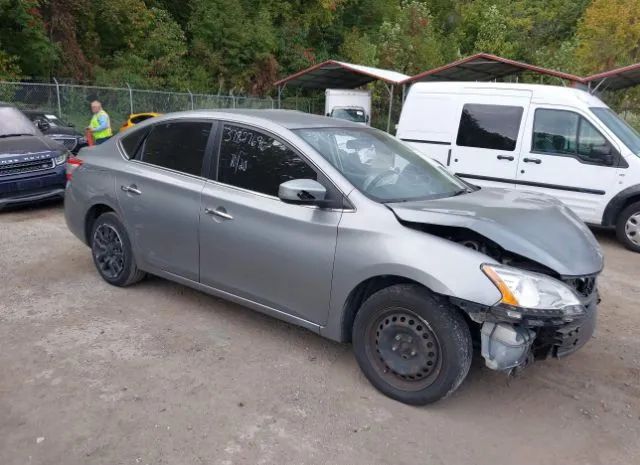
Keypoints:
(390, 249)
(617, 203)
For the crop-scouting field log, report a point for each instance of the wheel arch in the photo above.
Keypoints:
(362, 292)
(93, 213)
(618, 203)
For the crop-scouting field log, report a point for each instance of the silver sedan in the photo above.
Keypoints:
(346, 231)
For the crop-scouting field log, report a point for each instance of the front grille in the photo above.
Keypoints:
(25, 167)
(585, 285)
(68, 142)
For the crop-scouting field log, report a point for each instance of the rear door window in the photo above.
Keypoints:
(256, 161)
(489, 126)
(132, 141)
(177, 145)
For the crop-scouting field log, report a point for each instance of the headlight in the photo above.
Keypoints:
(61, 159)
(536, 293)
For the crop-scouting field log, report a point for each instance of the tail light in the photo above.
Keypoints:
(72, 164)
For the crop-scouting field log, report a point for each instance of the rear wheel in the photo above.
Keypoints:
(412, 346)
(628, 227)
(112, 252)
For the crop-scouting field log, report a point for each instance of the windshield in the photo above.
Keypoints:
(619, 127)
(350, 114)
(13, 122)
(382, 167)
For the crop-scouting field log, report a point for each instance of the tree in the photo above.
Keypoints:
(609, 35)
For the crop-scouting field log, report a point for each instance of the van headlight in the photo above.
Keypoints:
(526, 292)
(61, 159)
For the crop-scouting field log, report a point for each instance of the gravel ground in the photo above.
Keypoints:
(161, 374)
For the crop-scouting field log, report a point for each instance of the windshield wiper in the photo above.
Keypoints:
(461, 191)
(2, 136)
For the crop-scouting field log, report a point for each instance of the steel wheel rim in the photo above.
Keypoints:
(632, 228)
(404, 350)
(108, 251)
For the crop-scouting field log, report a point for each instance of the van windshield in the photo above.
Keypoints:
(619, 127)
(382, 167)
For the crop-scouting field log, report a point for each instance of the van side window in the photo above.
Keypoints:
(562, 132)
(489, 126)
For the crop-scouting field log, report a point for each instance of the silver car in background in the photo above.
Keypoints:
(343, 230)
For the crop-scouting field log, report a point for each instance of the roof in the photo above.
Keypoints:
(332, 73)
(290, 119)
(616, 79)
(485, 67)
(539, 93)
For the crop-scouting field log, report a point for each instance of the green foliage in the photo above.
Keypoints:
(244, 45)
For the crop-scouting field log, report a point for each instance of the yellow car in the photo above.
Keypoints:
(135, 118)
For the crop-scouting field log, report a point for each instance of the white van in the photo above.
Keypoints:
(556, 140)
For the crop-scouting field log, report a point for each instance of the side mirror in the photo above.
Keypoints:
(302, 192)
(329, 114)
(43, 125)
(366, 119)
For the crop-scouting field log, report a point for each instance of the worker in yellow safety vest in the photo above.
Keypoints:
(100, 125)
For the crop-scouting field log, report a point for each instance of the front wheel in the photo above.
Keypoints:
(112, 252)
(411, 345)
(628, 227)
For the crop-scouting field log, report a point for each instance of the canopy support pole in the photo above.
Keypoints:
(280, 90)
(390, 91)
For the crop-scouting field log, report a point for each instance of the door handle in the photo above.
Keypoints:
(505, 157)
(537, 161)
(132, 189)
(221, 212)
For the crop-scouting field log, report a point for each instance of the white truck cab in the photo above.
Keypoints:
(558, 141)
(348, 104)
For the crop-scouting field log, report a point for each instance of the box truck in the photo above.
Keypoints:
(348, 104)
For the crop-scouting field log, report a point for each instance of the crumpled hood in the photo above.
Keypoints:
(535, 226)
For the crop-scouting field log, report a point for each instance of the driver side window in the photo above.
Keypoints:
(565, 133)
(255, 161)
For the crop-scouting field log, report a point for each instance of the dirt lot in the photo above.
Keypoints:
(161, 374)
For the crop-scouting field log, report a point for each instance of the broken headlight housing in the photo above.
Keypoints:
(529, 294)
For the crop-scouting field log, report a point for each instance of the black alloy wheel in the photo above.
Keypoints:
(112, 251)
(108, 251)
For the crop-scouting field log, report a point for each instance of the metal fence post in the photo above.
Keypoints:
(130, 97)
(191, 96)
(58, 96)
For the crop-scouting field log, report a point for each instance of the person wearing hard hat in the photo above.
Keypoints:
(100, 125)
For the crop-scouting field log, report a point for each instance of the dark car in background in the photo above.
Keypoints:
(32, 166)
(56, 128)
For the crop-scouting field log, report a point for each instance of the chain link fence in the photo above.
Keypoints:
(71, 101)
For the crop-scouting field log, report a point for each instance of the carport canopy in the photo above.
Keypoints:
(486, 67)
(616, 79)
(338, 74)
(332, 74)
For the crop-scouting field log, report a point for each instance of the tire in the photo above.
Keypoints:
(112, 252)
(628, 227)
(411, 345)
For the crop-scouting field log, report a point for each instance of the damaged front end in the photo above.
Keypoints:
(540, 314)
(546, 264)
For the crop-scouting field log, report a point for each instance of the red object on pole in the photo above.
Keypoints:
(89, 136)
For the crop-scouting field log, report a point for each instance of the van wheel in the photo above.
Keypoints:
(112, 252)
(628, 227)
(411, 345)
